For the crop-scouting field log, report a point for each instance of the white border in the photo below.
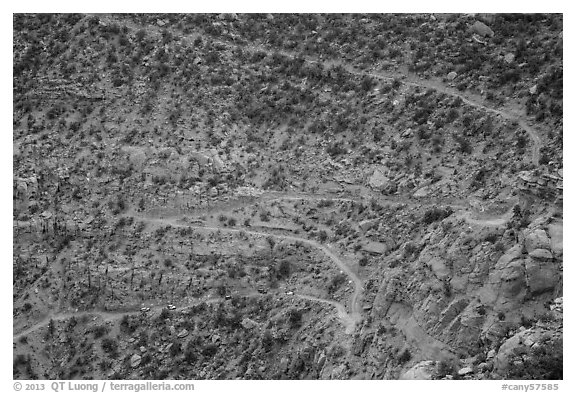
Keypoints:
(6, 383)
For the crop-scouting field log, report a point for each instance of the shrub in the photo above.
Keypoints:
(126, 325)
(492, 237)
(452, 115)
(336, 282)
(175, 349)
(295, 317)
(543, 362)
(209, 350)
(190, 353)
(443, 368)
(436, 214)
(267, 340)
(405, 357)
(335, 149)
(264, 216)
(464, 145)
(20, 360)
(100, 331)
(284, 269)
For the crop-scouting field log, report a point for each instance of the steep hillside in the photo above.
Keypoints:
(287, 196)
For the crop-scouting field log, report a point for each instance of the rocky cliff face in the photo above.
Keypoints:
(319, 196)
(468, 301)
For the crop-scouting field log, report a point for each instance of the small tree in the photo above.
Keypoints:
(295, 317)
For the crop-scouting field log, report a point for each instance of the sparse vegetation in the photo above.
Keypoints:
(268, 196)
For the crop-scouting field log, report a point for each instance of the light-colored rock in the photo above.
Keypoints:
(450, 313)
(420, 371)
(540, 277)
(509, 58)
(284, 363)
(321, 360)
(465, 371)
(366, 225)
(509, 281)
(511, 254)
(533, 89)
(247, 323)
(183, 333)
(481, 29)
(439, 268)
(374, 247)
(558, 305)
(451, 75)
(379, 181)
(422, 192)
(536, 239)
(407, 134)
(339, 372)
(135, 360)
(556, 239)
(541, 254)
(514, 346)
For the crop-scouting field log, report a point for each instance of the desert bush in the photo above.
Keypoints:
(464, 145)
(100, 331)
(110, 346)
(404, 357)
(543, 362)
(336, 282)
(294, 317)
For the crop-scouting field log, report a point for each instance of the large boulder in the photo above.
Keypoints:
(380, 182)
(540, 277)
(505, 279)
(135, 360)
(465, 371)
(438, 266)
(536, 239)
(556, 238)
(513, 280)
(375, 248)
(518, 344)
(482, 30)
(541, 254)
(511, 254)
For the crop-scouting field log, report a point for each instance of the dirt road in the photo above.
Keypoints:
(105, 316)
(411, 80)
(349, 319)
(355, 309)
